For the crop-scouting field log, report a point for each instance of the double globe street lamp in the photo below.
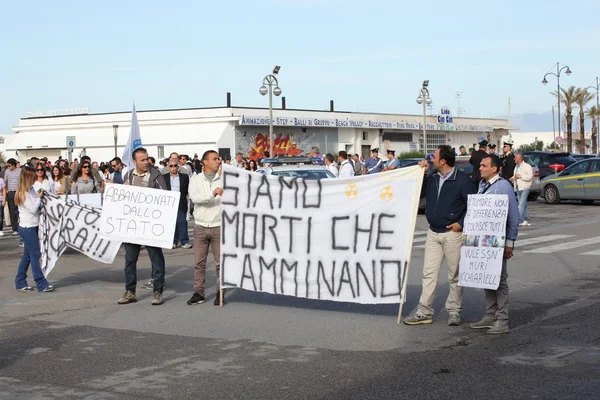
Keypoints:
(558, 95)
(267, 87)
(425, 100)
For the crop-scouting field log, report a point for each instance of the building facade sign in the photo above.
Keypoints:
(54, 113)
(362, 123)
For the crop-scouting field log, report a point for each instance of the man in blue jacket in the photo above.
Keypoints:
(496, 301)
(446, 193)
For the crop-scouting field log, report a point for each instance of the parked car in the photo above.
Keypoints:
(295, 167)
(580, 157)
(579, 181)
(550, 163)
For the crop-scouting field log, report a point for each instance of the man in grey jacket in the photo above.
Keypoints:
(144, 176)
(496, 301)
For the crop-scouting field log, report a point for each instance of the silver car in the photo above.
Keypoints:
(579, 181)
(295, 167)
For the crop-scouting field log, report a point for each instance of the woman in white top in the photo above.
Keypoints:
(59, 179)
(28, 201)
(41, 179)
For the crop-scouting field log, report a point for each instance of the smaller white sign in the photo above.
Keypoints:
(484, 235)
(139, 215)
(71, 141)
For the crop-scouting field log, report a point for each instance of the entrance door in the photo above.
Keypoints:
(365, 151)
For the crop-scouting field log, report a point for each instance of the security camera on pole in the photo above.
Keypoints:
(425, 100)
(269, 81)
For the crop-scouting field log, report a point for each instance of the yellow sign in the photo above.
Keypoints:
(351, 191)
(387, 193)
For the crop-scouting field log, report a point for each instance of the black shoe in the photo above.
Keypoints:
(196, 299)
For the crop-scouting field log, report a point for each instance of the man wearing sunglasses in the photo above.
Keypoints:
(119, 171)
(178, 182)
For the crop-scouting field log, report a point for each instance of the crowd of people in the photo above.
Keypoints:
(199, 182)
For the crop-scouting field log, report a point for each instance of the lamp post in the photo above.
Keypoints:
(115, 136)
(557, 75)
(597, 89)
(425, 100)
(267, 87)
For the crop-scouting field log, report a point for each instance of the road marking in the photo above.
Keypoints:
(526, 242)
(591, 253)
(565, 246)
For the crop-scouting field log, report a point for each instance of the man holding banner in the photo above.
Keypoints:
(143, 176)
(496, 316)
(206, 191)
(447, 194)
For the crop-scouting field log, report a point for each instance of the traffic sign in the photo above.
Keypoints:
(71, 141)
(558, 139)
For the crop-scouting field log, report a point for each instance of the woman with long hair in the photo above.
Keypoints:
(29, 203)
(41, 178)
(252, 166)
(84, 181)
(59, 179)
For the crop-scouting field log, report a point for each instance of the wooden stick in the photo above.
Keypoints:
(221, 297)
(403, 293)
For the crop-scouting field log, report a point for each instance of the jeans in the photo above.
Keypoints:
(522, 199)
(13, 211)
(181, 228)
(157, 259)
(31, 256)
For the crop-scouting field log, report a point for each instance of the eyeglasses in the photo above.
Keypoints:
(113, 165)
(85, 166)
(39, 169)
(172, 166)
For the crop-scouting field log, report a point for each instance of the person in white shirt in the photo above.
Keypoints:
(28, 201)
(330, 165)
(521, 180)
(346, 168)
(41, 179)
(206, 191)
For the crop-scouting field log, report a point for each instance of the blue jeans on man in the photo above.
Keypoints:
(157, 259)
(523, 211)
(31, 256)
(181, 228)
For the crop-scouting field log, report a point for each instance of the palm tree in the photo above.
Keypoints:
(567, 97)
(594, 113)
(582, 98)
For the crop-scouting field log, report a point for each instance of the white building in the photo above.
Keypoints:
(243, 129)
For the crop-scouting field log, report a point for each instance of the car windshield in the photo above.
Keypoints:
(564, 160)
(305, 173)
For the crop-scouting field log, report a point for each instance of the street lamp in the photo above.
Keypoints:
(557, 75)
(115, 136)
(425, 100)
(597, 89)
(267, 87)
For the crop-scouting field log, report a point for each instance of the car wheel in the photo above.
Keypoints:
(551, 194)
(533, 196)
(587, 202)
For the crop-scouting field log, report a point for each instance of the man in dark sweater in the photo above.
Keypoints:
(447, 192)
(475, 161)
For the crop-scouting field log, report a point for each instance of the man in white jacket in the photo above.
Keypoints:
(206, 191)
(521, 180)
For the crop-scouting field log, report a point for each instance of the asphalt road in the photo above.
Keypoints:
(77, 343)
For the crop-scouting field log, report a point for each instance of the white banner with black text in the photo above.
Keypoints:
(342, 239)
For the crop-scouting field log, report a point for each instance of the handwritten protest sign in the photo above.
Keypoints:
(66, 223)
(333, 239)
(483, 241)
(139, 215)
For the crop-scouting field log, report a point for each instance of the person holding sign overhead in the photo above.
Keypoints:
(496, 301)
(206, 191)
(447, 196)
(143, 176)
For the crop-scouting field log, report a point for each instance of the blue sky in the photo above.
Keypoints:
(367, 56)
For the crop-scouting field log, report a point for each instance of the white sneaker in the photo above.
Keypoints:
(15, 233)
(1, 233)
(527, 223)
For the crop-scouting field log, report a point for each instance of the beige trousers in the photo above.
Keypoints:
(437, 247)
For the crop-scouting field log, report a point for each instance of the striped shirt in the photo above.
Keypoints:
(12, 179)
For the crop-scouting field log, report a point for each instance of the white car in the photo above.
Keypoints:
(295, 167)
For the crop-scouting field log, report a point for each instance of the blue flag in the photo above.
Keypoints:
(135, 141)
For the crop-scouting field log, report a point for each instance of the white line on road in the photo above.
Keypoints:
(565, 246)
(591, 253)
(541, 239)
